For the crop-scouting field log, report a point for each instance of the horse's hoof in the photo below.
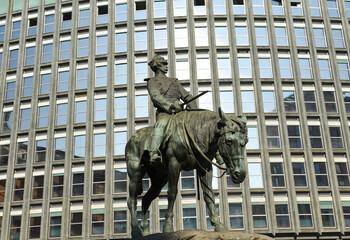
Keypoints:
(220, 228)
(135, 233)
(168, 228)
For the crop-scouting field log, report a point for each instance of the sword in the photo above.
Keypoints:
(193, 98)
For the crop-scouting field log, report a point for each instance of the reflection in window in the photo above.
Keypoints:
(120, 108)
(22, 152)
(282, 215)
(34, 227)
(203, 68)
(120, 180)
(13, 62)
(63, 81)
(84, 17)
(100, 111)
(324, 68)
(97, 222)
(60, 148)
(289, 101)
(343, 69)
(310, 101)
(160, 38)
(315, 9)
(10, 89)
(296, 7)
(305, 68)
(16, 29)
(38, 187)
(179, 8)
(336, 137)
(98, 184)
(61, 114)
(285, 67)
(319, 37)
(224, 68)
(206, 101)
(315, 137)
(236, 215)
(273, 137)
(121, 42)
(238, 7)
(159, 8)
(248, 101)
(6, 125)
(141, 73)
(101, 45)
(80, 112)
(55, 225)
(43, 116)
(300, 36)
(327, 214)
(346, 97)
(241, 35)
(140, 40)
(329, 101)
(199, 7)
(342, 171)
(4, 154)
(255, 175)
(259, 215)
(30, 56)
(338, 38)
(332, 8)
(102, 14)
(57, 185)
(269, 101)
(76, 223)
(40, 150)
(120, 223)
(120, 139)
(261, 36)
(321, 174)
(221, 36)
(18, 189)
(121, 73)
(140, 9)
(187, 180)
(25, 119)
(101, 76)
(181, 37)
(226, 101)
(201, 35)
(265, 68)
(47, 53)
(78, 184)
(219, 7)
(2, 32)
(281, 36)
(277, 8)
(258, 7)
(347, 6)
(253, 137)
(79, 146)
(189, 219)
(99, 145)
(299, 174)
(66, 20)
(294, 136)
(245, 68)
(49, 23)
(121, 12)
(182, 69)
(277, 174)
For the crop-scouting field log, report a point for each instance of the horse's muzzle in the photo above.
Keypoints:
(237, 175)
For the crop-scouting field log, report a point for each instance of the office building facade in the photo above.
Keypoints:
(72, 93)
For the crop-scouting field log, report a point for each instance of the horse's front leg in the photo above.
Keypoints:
(209, 198)
(134, 173)
(174, 172)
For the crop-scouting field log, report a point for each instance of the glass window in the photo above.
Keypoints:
(57, 186)
(49, 23)
(16, 29)
(84, 17)
(273, 137)
(63, 81)
(120, 140)
(219, 7)
(15, 227)
(100, 109)
(121, 12)
(281, 36)
(38, 187)
(159, 8)
(259, 215)
(47, 53)
(79, 146)
(76, 223)
(255, 175)
(189, 219)
(160, 38)
(40, 151)
(315, 137)
(320, 40)
(82, 78)
(120, 180)
(277, 7)
(2, 32)
(277, 174)
(55, 226)
(80, 112)
(99, 145)
(83, 47)
(6, 122)
(258, 7)
(98, 184)
(221, 36)
(329, 101)
(289, 101)
(245, 68)
(22, 152)
(18, 189)
(121, 40)
(102, 14)
(327, 214)
(241, 36)
(97, 222)
(325, 71)
(121, 73)
(336, 137)
(201, 35)
(342, 171)
(299, 174)
(101, 45)
(25, 119)
(140, 10)
(226, 101)
(238, 7)
(338, 38)
(347, 6)
(203, 68)
(13, 63)
(236, 215)
(141, 73)
(224, 68)
(2, 192)
(305, 68)
(206, 101)
(101, 76)
(182, 68)
(140, 40)
(346, 96)
(120, 220)
(343, 69)
(34, 227)
(181, 37)
(141, 106)
(269, 101)
(248, 101)
(296, 7)
(60, 148)
(261, 36)
(30, 56)
(66, 20)
(120, 107)
(321, 174)
(179, 8)
(43, 116)
(187, 180)
(310, 101)
(78, 184)
(61, 114)
(294, 136)
(253, 136)
(282, 215)
(265, 68)
(300, 36)
(0, 59)
(4, 154)
(10, 89)
(285, 67)
(332, 8)
(315, 9)
(199, 7)
(346, 212)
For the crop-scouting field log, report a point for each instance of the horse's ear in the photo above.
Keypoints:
(244, 119)
(222, 116)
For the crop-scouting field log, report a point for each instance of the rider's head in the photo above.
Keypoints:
(158, 65)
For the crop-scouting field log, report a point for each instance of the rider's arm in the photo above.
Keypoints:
(157, 98)
(186, 96)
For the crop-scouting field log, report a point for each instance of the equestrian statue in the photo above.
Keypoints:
(182, 139)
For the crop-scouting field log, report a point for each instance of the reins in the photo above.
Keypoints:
(187, 134)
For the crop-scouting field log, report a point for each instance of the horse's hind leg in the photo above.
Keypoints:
(209, 198)
(135, 176)
(157, 183)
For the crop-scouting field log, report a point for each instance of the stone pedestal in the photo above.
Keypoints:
(204, 235)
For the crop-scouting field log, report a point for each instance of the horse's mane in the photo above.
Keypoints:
(202, 126)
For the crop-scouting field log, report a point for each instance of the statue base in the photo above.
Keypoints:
(204, 235)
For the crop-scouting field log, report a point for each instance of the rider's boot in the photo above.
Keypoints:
(155, 155)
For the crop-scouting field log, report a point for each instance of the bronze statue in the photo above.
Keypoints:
(189, 140)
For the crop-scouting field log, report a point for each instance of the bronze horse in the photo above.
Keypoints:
(208, 130)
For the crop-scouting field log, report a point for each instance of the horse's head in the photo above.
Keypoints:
(231, 144)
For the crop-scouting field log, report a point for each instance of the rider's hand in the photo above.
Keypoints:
(176, 107)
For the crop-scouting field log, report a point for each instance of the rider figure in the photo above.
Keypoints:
(165, 94)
